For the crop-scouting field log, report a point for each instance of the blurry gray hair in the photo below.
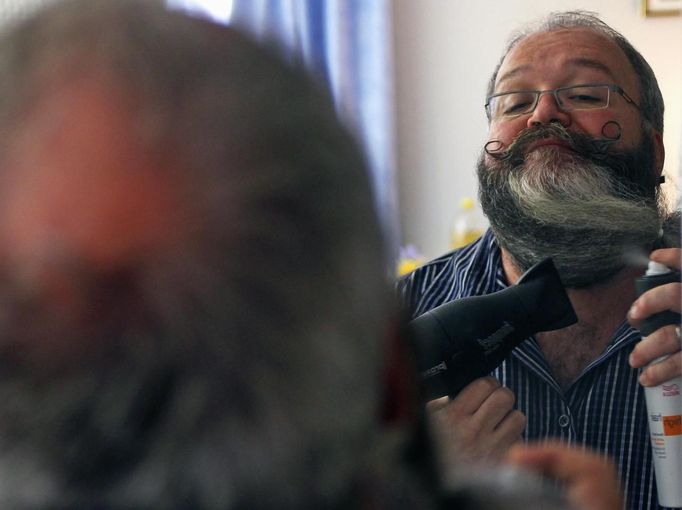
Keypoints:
(651, 100)
(243, 367)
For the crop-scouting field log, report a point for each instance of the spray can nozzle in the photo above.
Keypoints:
(657, 274)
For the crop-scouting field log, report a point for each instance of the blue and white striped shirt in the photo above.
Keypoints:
(603, 409)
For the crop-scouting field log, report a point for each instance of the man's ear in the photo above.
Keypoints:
(659, 151)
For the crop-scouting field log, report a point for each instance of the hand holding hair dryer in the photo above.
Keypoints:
(465, 339)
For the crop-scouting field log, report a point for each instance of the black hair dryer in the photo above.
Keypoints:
(468, 338)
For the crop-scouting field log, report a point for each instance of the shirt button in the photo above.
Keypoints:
(564, 421)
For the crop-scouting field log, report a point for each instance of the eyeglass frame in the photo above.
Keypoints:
(611, 87)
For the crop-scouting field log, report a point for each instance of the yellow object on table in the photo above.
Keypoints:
(409, 260)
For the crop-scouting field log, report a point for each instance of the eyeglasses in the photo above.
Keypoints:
(507, 105)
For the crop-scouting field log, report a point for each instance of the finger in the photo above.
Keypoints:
(658, 299)
(538, 458)
(663, 371)
(590, 481)
(671, 257)
(557, 460)
(470, 399)
(661, 342)
(510, 429)
(494, 409)
(437, 404)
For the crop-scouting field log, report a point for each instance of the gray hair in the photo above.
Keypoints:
(651, 101)
(243, 367)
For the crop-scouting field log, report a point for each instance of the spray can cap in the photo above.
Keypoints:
(656, 268)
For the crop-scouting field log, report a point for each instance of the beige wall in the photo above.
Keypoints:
(445, 52)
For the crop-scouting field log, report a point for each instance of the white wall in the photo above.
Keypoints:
(445, 52)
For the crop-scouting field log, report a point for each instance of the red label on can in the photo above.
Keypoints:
(672, 425)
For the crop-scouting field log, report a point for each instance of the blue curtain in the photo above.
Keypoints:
(347, 44)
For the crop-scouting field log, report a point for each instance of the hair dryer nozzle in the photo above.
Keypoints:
(543, 296)
(460, 341)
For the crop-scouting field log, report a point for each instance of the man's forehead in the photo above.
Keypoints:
(570, 49)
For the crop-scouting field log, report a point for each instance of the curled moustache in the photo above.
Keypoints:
(611, 133)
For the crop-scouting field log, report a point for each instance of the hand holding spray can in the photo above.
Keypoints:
(664, 402)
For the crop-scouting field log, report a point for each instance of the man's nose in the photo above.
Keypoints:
(547, 110)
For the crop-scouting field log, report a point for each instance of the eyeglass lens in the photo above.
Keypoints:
(583, 97)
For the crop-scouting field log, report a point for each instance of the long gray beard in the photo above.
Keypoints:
(585, 215)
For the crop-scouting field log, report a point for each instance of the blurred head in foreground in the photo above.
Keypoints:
(192, 281)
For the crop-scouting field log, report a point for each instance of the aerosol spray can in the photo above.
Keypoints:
(664, 402)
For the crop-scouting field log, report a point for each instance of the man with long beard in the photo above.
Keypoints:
(571, 171)
(175, 202)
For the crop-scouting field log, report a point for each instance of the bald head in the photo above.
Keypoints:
(78, 179)
(189, 256)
